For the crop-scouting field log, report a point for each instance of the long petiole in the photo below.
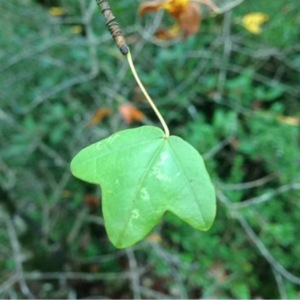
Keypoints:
(150, 101)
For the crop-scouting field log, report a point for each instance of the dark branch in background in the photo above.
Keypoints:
(113, 26)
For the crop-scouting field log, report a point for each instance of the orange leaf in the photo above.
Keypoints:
(91, 200)
(150, 6)
(164, 34)
(189, 20)
(154, 238)
(186, 13)
(98, 116)
(130, 113)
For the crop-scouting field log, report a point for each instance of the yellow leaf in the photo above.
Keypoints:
(288, 120)
(254, 21)
(176, 7)
(57, 11)
(77, 29)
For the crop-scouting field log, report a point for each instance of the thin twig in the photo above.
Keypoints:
(87, 14)
(213, 151)
(16, 252)
(265, 252)
(210, 4)
(267, 196)
(27, 53)
(226, 53)
(247, 185)
(280, 285)
(59, 88)
(80, 276)
(56, 158)
(231, 6)
(103, 258)
(10, 282)
(174, 263)
(257, 242)
(151, 294)
(75, 230)
(135, 279)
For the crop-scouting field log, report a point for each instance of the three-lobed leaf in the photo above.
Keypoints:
(142, 175)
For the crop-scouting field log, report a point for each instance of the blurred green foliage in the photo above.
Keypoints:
(233, 95)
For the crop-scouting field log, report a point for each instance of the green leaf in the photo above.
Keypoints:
(143, 174)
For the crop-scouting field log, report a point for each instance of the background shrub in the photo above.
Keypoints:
(231, 94)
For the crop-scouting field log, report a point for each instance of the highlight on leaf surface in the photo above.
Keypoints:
(187, 14)
(253, 22)
(143, 175)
